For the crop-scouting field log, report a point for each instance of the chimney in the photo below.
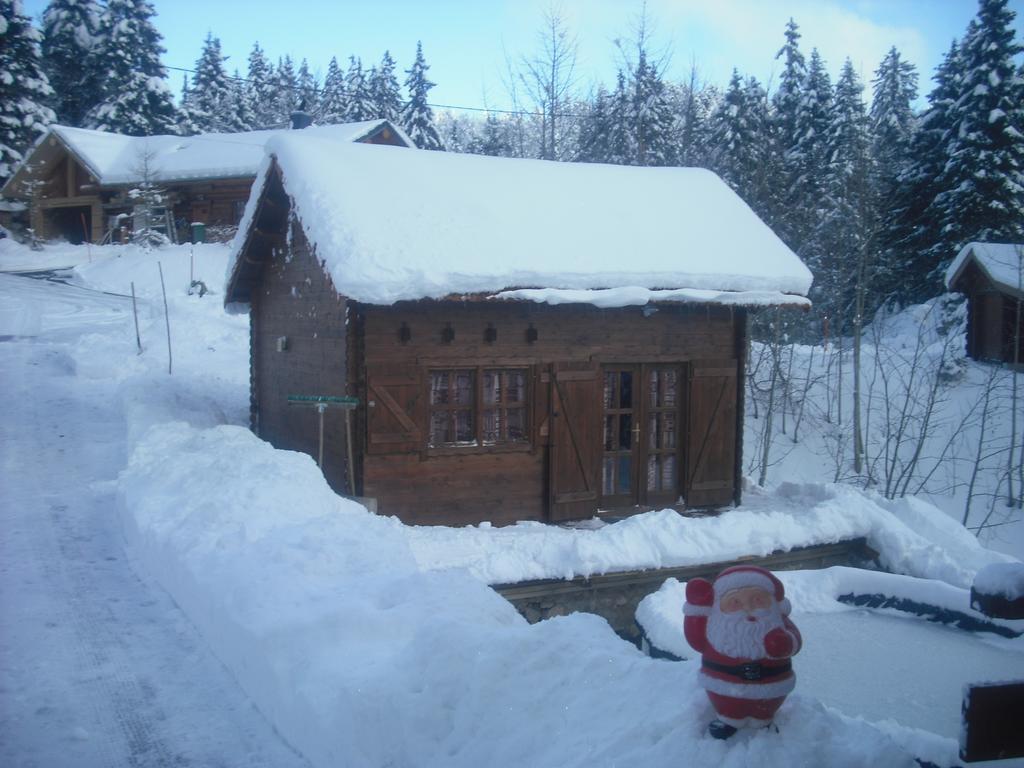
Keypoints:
(300, 118)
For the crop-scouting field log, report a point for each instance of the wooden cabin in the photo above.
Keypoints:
(525, 340)
(77, 182)
(992, 277)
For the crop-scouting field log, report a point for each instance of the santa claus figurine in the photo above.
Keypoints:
(739, 624)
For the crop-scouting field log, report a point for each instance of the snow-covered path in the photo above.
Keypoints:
(97, 667)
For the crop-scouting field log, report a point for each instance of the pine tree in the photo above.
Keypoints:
(730, 136)
(762, 189)
(241, 111)
(847, 228)
(359, 105)
(69, 35)
(286, 92)
(914, 226)
(309, 90)
(653, 126)
(787, 104)
(982, 184)
(136, 100)
(494, 139)
(185, 125)
(621, 136)
(24, 89)
(333, 101)
(261, 89)
(892, 130)
(595, 130)
(417, 117)
(210, 100)
(384, 90)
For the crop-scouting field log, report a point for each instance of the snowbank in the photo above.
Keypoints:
(911, 537)
(360, 657)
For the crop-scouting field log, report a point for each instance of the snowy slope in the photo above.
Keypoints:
(360, 640)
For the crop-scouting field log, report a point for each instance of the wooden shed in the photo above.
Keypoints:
(78, 180)
(992, 277)
(526, 340)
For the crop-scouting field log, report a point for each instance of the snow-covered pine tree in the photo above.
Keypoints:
(892, 129)
(730, 136)
(653, 115)
(69, 35)
(595, 129)
(806, 162)
(261, 89)
(494, 139)
(786, 104)
(309, 90)
(185, 125)
(761, 192)
(24, 89)
(913, 226)
(286, 95)
(982, 183)
(848, 222)
(384, 90)
(417, 116)
(333, 100)
(210, 102)
(136, 100)
(359, 105)
(242, 116)
(621, 136)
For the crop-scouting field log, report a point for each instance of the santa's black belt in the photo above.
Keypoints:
(751, 671)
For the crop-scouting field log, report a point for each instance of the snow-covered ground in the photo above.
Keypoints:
(349, 637)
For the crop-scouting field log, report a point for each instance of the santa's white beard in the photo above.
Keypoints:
(732, 634)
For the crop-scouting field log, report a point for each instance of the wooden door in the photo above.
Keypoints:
(712, 434)
(575, 452)
(395, 410)
(642, 423)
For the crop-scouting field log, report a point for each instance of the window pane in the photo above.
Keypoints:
(609, 390)
(608, 476)
(625, 471)
(515, 391)
(515, 420)
(652, 431)
(626, 392)
(492, 387)
(609, 433)
(625, 430)
(669, 388)
(439, 387)
(463, 388)
(491, 425)
(463, 426)
(668, 431)
(652, 473)
(440, 428)
(668, 473)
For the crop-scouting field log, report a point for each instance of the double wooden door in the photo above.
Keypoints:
(642, 435)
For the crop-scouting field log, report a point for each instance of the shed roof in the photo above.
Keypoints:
(114, 159)
(1002, 263)
(393, 226)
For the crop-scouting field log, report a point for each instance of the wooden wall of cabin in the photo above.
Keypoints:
(298, 348)
(503, 484)
(218, 204)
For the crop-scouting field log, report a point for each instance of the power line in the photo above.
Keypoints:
(320, 90)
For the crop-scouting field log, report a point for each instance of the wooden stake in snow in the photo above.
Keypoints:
(167, 318)
(135, 313)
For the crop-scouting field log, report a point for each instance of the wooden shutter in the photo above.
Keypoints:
(396, 398)
(575, 452)
(711, 441)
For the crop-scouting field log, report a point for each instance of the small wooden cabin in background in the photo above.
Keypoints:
(81, 178)
(527, 340)
(992, 277)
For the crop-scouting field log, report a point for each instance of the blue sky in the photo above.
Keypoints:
(467, 44)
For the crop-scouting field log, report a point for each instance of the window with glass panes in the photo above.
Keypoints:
(478, 406)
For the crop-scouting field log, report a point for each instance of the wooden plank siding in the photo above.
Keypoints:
(298, 338)
(503, 484)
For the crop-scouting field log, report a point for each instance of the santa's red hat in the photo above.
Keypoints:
(700, 598)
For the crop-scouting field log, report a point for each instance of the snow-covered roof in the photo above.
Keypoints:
(1002, 263)
(393, 226)
(115, 159)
